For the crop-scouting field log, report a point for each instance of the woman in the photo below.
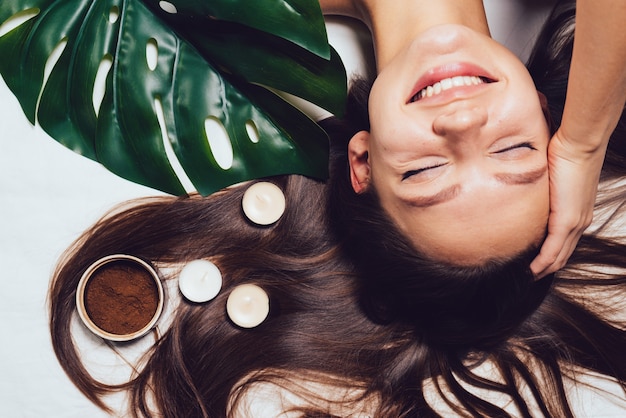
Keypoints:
(408, 181)
(416, 201)
(390, 341)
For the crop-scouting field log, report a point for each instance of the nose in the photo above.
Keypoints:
(460, 123)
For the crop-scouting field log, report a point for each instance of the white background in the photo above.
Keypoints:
(49, 195)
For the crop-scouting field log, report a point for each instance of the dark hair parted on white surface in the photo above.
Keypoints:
(363, 321)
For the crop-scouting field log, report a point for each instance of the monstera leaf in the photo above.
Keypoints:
(170, 70)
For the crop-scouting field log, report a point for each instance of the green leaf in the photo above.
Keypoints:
(271, 155)
(298, 21)
(268, 60)
(206, 72)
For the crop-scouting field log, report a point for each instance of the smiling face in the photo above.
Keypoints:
(457, 147)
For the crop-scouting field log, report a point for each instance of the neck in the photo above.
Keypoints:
(394, 24)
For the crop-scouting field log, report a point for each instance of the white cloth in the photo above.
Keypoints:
(49, 195)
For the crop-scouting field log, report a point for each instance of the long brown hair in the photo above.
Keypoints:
(352, 307)
(497, 309)
(202, 363)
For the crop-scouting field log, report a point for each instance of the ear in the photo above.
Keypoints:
(358, 158)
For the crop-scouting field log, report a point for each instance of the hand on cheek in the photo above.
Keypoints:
(574, 177)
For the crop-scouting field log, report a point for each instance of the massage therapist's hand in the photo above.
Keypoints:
(574, 176)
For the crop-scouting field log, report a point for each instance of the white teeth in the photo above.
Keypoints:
(447, 84)
(458, 81)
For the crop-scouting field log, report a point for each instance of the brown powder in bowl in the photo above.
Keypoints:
(121, 297)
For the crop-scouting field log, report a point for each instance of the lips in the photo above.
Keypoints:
(448, 77)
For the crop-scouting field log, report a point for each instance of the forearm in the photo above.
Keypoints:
(597, 85)
(340, 7)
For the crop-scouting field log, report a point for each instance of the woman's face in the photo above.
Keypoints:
(457, 150)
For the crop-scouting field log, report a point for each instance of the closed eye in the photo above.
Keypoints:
(419, 171)
(517, 146)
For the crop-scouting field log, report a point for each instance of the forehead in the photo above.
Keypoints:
(479, 224)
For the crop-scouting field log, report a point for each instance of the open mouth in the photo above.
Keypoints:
(447, 84)
(448, 78)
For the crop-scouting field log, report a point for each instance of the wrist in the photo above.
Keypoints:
(589, 157)
(584, 140)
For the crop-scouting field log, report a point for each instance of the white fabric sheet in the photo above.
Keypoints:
(49, 195)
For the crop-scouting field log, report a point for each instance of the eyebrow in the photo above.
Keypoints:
(449, 193)
(528, 177)
(435, 199)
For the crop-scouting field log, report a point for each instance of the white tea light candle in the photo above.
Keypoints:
(263, 203)
(248, 305)
(200, 281)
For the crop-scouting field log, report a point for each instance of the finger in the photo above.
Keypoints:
(550, 258)
(548, 254)
(545, 268)
(554, 255)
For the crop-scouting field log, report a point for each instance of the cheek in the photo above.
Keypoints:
(522, 104)
(390, 121)
(543, 200)
(379, 105)
(536, 210)
(471, 231)
(523, 112)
